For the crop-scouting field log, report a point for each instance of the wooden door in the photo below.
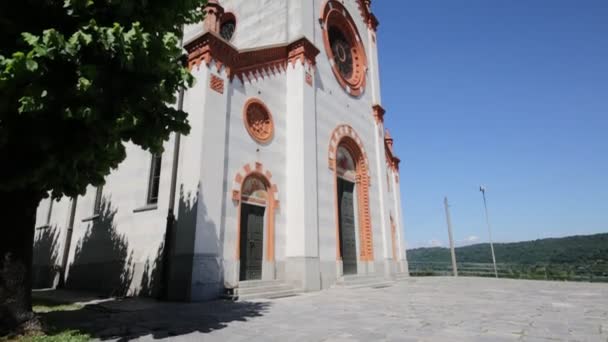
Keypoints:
(348, 238)
(252, 241)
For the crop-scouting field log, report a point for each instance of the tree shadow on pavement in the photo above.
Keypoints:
(128, 319)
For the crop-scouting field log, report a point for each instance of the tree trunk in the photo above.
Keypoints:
(17, 221)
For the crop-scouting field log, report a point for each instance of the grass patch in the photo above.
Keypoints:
(45, 306)
(51, 334)
(57, 336)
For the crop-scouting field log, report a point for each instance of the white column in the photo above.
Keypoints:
(374, 69)
(403, 265)
(197, 270)
(302, 250)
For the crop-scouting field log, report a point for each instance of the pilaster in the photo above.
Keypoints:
(197, 267)
(382, 188)
(301, 208)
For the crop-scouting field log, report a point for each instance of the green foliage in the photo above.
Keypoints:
(45, 306)
(58, 336)
(583, 258)
(573, 250)
(78, 79)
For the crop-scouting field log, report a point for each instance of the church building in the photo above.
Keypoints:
(287, 182)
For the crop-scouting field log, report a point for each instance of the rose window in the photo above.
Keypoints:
(258, 121)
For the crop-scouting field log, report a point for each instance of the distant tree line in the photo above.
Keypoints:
(569, 258)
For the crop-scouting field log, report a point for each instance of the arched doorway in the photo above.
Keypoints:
(345, 179)
(253, 210)
(348, 160)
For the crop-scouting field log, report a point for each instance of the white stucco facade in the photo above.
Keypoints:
(308, 106)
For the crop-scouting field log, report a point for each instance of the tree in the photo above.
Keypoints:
(78, 79)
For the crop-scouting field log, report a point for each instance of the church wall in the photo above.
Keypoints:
(254, 27)
(119, 252)
(336, 107)
(243, 149)
(49, 241)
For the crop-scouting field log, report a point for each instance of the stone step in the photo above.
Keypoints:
(364, 280)
(376, 284)
(402, 276)
(349, 277)
(360, 281)
(258, 283)
(261, 289)
(270, 295)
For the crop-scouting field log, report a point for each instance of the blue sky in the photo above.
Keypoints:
(511, 94)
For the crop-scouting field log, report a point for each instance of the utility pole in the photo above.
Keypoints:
(447, 215)
(485, 205)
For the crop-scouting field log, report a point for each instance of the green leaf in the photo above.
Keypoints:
(31, 65)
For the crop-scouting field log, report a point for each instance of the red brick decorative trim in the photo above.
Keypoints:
(346, 137)
(251, 63)
(257, 170)
(366, 13)
(334, 14)
(217, 84)
(378, 112)
(391, 159)
(258, 121)
(213, 12)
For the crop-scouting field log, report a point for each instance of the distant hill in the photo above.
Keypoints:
(568, 250)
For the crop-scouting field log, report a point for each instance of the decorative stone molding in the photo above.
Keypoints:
(365, 7)
(378, 112)
(213, 12)
(250, 64)
(335, 16)
(341, 132)
(258, 171)
(391, 159)
(258, 121)
(346, 137)
(217, 84)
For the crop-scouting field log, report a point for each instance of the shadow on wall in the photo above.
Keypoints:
(102, 262)
(184, 233)
(45, 264)
(151, 279)
(186, 263)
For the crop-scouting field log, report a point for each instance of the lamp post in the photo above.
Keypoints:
(485, 205)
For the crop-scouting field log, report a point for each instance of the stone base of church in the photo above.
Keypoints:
(303, 273)
(207, 277)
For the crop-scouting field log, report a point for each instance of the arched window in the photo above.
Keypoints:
(228, 26)
(254, 191)
(345, 164)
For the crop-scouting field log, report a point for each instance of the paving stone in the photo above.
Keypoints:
(427, 309)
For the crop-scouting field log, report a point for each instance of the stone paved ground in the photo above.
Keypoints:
(418, 309)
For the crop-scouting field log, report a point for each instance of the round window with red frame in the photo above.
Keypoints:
(344, 48)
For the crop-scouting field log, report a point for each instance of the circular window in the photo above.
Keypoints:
(228, 26)
(344, 48)
(258, 121)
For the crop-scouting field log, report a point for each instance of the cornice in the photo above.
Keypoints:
(248, 64)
